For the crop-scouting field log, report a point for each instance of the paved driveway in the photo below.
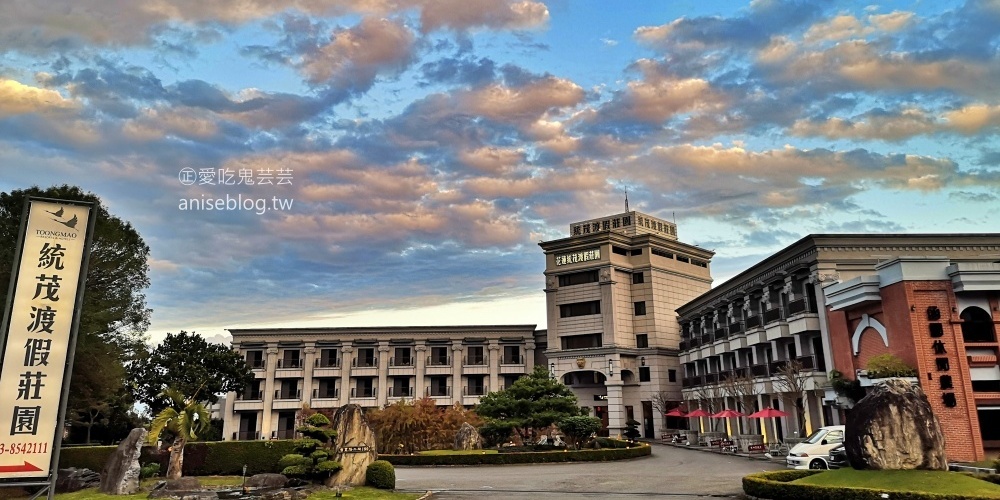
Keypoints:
(669, 473)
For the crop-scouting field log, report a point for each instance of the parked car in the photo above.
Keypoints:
(814, 452)
(838, 457)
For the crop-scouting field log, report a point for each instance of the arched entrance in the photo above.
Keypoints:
(589, 387)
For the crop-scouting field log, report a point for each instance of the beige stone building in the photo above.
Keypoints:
(612, 291)
(331, 367)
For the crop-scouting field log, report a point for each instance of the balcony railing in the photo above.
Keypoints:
(772, 315)
(752, 322)
(807, 362)
(474, 360)
(327, 393)
(439, 391)
(283, 434)
(711, 378)
(777, 366)
(438, 361)
(290, 363)
(706, 338)
(475, 390)
(512, 360)
(697, 380)
(328, 363)
(721, 333)
(743, 372)
(684, 345)
(686, 382)
(725, 374)
(250, 396)
(364, 362)
(408, 361)
(735, 328)
(246, 436)
(255, 364)
(364, 392)
(280, 394)
(401, 392)
(759, 370)
(799, 306)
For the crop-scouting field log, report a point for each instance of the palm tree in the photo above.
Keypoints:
(185, 419)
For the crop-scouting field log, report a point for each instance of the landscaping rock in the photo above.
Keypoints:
(354, 445)
(267, 481)
(73, 479)
(182, 484)
(468, 438)
(121, 472)
(893, 428)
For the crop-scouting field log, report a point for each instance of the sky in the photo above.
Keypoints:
(396, 162)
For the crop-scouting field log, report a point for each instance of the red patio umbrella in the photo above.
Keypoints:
(699, 413)
(727, 414)
(769, 413)
(676, 412)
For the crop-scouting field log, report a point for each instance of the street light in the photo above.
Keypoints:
(611, 368)
(642, 360)
(552, 371)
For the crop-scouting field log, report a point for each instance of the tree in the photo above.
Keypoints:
(114, 316)
(312, 453)
(185, 419)
(632, 429)
(578, 429)
(531, 404)
(409, 426)
(191, 365)
(744, 390)
(706, 400)
(791, 379)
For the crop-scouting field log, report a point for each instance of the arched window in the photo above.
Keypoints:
(977, 325)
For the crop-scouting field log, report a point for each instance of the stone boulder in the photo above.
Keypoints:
(354, 446)
(73, 479)
(121, 472)
(468, 438)
(893, 428)
(267, 481)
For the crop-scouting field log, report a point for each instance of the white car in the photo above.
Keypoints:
(814, 452)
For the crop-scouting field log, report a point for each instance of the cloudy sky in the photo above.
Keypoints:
(395, 162)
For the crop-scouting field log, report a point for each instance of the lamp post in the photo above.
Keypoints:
(552, 370)
(642, 360)
(611, 368)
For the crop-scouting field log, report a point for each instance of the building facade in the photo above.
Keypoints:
(781, 326)
(611, 290)
(371, 367)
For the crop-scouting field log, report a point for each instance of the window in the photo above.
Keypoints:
(644, 375)
(365, 388)
(619, 250)
(638, 278)
(289, 389)
(475, 356)
(290, 359)
(977, 325)
(578, 278)
(511, 355)
(662, 253)
(328, 358)
(641, 341)
(581, 341)
(672, 375)
(401, 388)
(640, 308)
(327, 388)
(366, 357)
(401, 357)
(439, 387)
(255, 359)
(476, 385)
(439, 356)
(580, 309)
(637, 251)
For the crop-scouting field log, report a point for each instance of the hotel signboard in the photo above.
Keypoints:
(38, 335)
(581, 256)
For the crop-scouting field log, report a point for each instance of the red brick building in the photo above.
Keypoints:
(941, 318)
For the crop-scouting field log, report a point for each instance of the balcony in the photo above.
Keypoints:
(759, 370)
(735, 328)
(438, 361)
(401, 392)
(686, 382)
(711, 378)
(290, 364)
(327, 393)
(283, 434)
(799, 306)
(407, 361)
(439, 391)
(752, 322)
(327, 363)
(775, 367)
(473, 390)
(721, 334)
(246, 436)
(697, 380)
(742, 372)
(475, 361)
(279, 394)
(706, 338)
(257, 395)
(512, 360)
(287, 400)
(807, 362)
(684, 345)
(364, 362)
(255, 364)
(772, 315)
(364, 392)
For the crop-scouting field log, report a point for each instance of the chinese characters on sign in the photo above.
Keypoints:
(581, 256)
(942, 362)
(38, 326)
(235, 177)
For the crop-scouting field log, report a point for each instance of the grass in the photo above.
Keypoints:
(457, 452)
(356, 493)
(905, 480)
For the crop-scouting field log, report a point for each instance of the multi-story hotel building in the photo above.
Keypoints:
(611, 290)
(331, 367)
(809, 304)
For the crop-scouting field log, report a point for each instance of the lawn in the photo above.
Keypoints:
(457, 452)
(905, 480)
(357, 493)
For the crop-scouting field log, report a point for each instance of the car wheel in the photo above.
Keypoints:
(817, 464)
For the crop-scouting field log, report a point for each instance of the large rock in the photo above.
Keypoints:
(121, 472)
(267, 481)
(354, 446)
(468, 438)
(893, 428)
(73, 479)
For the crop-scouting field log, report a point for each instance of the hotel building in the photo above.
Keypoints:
(370, 367)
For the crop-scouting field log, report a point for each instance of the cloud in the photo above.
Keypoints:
(18, 99)
(354, 56)
(493, 14)
(656, 97)
(896, 126)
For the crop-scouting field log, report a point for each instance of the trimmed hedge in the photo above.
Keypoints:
(777, 485)
(215, 458)
(604, 455)
(381, 474)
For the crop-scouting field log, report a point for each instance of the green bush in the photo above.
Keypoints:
(200, 458)
(149, 470)
(381, 474)
(777, 485)
(602, 455)
(888, 365)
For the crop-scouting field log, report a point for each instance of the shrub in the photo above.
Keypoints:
(778, 485)
(888, 365)
(311, 458)
(579, 429)
(632, 429)
(149, 470)
(381, 474)
(200, 458)
(603, 455)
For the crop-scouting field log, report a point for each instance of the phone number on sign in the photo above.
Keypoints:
(23, 448)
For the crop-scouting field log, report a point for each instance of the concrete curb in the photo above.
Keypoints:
(706, 449)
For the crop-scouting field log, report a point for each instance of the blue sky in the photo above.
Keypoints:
(426, 146)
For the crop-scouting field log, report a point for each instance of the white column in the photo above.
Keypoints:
(382, 386)
(346, 360)
(270, 365)
(616, 407)
(418, 385)
(494, 353)
(307, 372)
